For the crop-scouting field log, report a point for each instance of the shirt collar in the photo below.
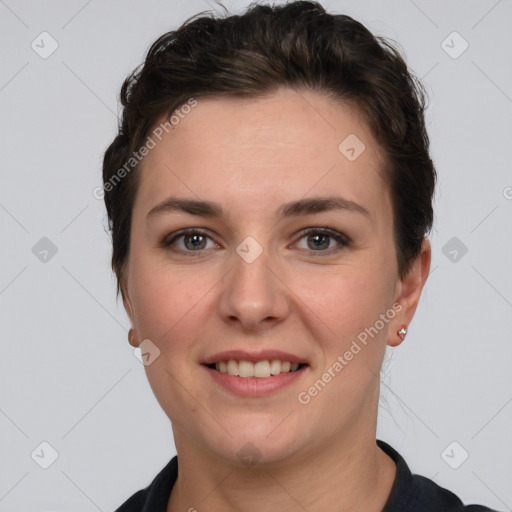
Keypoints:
(160, 489)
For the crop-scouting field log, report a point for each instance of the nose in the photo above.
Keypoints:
(253, 296)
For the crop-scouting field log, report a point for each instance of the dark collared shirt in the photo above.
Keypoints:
(410, 493)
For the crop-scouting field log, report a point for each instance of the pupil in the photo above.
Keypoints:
(316, 237)
(196, 238)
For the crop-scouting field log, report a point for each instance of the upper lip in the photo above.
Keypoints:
(254, 357)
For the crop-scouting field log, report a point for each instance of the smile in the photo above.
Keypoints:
(260, 369)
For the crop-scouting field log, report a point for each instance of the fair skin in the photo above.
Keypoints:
(251, 156)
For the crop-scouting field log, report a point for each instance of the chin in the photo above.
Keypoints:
(256, 442)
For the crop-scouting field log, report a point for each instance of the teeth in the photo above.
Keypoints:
(232, 367)
(245, 368)
(275, 367)
(261, 369)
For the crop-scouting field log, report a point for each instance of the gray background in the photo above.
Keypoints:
(68, 374)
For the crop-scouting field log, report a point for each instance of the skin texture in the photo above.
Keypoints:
(251, 156)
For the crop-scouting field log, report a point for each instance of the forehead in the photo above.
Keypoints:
(270, 148)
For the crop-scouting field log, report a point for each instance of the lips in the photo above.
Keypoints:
(261, 369)
(253, 357)
(255, 379)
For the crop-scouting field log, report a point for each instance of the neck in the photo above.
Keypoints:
(352, 472)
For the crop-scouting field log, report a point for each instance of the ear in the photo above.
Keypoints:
(132, 336)
(128, 306)
(120, 273)
(409, 291)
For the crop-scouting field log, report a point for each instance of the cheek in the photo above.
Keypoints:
(171, 303)
(171, 308)
(346, 300)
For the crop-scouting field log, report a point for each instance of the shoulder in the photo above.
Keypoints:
(155, 496)
(415, 492)
(430, 496)
(134, 503)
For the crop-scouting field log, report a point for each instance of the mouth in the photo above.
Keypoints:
(263, 369)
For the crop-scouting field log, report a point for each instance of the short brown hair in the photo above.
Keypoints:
(297, 45)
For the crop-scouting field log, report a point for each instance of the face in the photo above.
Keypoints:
(266, 271)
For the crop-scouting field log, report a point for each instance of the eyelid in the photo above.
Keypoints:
(342, 239)
(324, 230)
(168, 240)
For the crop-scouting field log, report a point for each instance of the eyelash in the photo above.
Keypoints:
(342, 239)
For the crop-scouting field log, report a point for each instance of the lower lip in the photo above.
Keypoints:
(255, 386)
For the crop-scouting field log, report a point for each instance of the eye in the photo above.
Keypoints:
(321, 240)
(189, 240)
(318, 241)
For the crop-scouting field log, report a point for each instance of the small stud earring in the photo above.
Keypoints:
(130, 339)
(402, 332)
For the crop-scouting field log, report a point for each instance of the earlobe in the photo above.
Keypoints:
(131, 339)
(402, 332)
(129, 310)
(396, 337)
(409, 292)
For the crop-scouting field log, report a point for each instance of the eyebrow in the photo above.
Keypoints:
(292, 209)
(321, 204)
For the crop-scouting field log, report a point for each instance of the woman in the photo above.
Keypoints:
(269, 194)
